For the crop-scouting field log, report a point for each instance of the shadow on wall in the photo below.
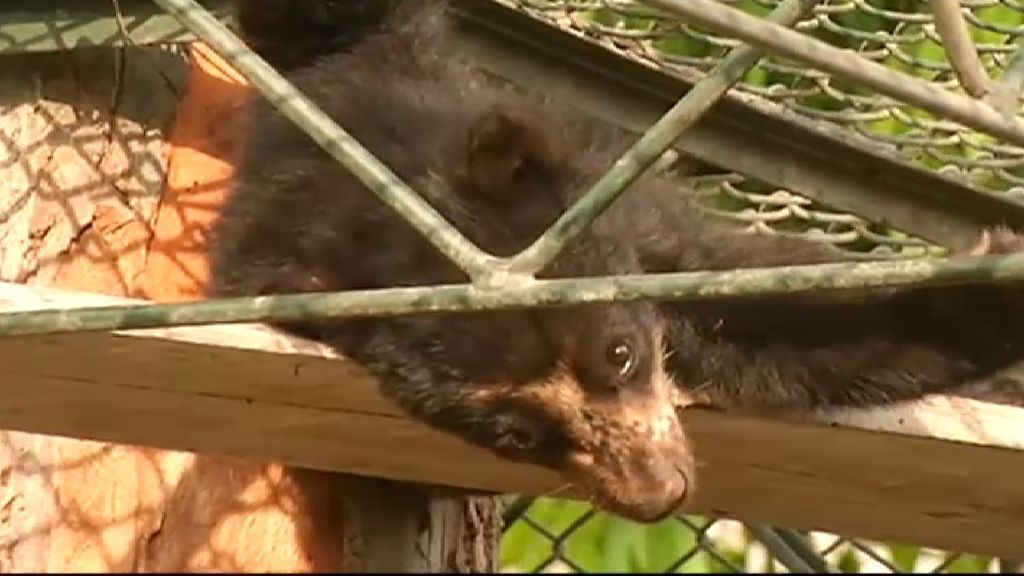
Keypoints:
(112, 166)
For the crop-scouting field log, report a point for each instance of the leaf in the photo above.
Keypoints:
(523, 548)
(590, 548)
(904, 557)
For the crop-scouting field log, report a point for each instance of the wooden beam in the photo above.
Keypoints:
(942, 472)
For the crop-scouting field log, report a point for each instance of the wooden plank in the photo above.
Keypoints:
(940, 472)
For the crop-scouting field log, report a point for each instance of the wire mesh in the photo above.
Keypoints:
(895, 33)
(554, 536)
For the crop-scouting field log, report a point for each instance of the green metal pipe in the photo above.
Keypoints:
(462, 298)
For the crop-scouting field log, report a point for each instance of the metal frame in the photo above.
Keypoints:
(497, 282)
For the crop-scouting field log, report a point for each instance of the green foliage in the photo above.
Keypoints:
(599, 542)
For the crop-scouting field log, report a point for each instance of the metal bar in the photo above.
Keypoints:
(963, 55)
(701, 285)
(783, 41)
(742, 133)
(332, 138)
(798, 544)
(654, 142)
(779, 549)
(516, 510)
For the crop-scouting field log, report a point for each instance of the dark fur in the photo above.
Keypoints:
(297, 222)
(294, 33)
(767, 354)
(502, 165)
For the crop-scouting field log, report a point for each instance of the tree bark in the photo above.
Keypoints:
(112, 166)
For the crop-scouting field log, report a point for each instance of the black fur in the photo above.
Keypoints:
(545, 386)
(501, 165)
(294, 33)
(795, 353)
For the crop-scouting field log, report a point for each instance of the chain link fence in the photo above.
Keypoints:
(552, 535)
(897, 33)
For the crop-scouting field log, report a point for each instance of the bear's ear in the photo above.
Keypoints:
(505, 150)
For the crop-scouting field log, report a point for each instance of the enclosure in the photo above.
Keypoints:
(143, 446)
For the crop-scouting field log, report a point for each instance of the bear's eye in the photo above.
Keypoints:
(621, 357)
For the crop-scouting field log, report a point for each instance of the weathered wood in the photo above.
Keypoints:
(936, 472)
(82, 155)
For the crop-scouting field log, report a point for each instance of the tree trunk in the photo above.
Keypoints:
(112, 166)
